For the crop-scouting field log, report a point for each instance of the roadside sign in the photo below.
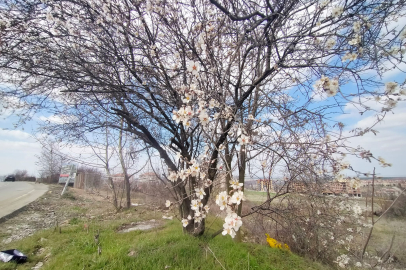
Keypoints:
(68, 172)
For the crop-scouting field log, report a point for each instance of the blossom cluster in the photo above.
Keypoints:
(349, 56)
(200, 210)
(232, 222)
(330, 86)
(193, 170)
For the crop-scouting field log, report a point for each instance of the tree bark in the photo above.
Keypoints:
(124, 168)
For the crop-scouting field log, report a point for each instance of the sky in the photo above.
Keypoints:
(19, 149)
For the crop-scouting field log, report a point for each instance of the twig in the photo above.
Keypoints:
(372, 208)
(388, 251)
(216, 233)
(215, 257)
(390, 206)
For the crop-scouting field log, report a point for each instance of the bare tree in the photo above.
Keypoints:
(50, 161)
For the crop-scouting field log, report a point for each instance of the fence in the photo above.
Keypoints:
(88, 181)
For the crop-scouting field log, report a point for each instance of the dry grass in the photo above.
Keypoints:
(382, 236)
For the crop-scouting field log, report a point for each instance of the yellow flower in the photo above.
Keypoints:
(273, 243)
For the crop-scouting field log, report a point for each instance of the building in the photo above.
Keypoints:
(148, 177)
(264, 185)
(328, 188)
(341, 188)
(118, 177)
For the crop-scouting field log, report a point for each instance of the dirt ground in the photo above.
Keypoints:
(52, 209)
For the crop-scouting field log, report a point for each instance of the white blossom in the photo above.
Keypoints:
(193, 67)
(235, 184)
(349, 56)
(204, 118)
(234, 221)
(243, 140)
(227, 229)
(221, 200)
(213, 103)
(355, 41)
(200, 193)
(342, 260)
(324, 3)
(208, 183)
(237, 197)
(336, 12)
(391, 103)
(187, 98)
(390, 87)
(194, 169)
(331, 42)
(173, 176)
(402, 34)
(330, 86)
(357, 26)
(195, 205)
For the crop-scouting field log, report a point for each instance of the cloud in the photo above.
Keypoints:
(18, 155)
(389, 143)
(57, 119)
(14, 135)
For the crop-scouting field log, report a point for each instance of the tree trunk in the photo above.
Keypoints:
(241, 179)
(124, 168)
(195, 229)
(110, 179)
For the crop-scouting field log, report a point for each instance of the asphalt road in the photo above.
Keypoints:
(15, 195)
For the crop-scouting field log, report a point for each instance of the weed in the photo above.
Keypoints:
(74, 221)
(68, 195)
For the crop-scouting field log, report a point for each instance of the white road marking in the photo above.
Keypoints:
(23, 195)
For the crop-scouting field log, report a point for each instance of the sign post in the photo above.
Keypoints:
(68, 172)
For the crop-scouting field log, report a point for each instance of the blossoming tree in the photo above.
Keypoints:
(201, 82)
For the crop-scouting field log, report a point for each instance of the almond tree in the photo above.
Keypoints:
(183, 74)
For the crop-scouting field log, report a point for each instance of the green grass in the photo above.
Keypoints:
(74, 249)
(256, 196)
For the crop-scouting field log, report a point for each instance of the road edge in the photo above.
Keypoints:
(21, 209)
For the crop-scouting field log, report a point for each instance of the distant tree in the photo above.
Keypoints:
(50, 162)
(20, 175)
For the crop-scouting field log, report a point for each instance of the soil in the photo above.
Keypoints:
(51, 210)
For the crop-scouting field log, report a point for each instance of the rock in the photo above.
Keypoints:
(40, 251)
(141, 226)
(38, 266)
